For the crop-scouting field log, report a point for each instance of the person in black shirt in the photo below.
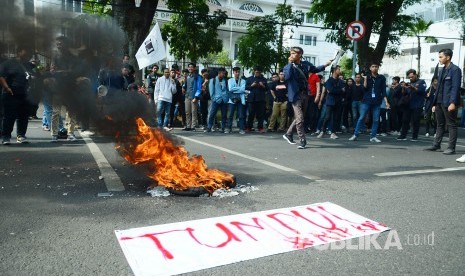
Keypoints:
(14, 80)
(279, 94)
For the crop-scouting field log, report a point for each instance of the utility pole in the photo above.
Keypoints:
(354, 58)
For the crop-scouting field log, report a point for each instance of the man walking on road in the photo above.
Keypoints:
(375, 93)
(14, 80)
(295, 74)
(446, 101)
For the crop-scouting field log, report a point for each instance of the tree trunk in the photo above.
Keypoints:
(136, 23)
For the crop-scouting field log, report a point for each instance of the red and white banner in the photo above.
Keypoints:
(187, 246)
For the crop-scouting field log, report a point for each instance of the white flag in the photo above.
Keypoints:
(152, 49)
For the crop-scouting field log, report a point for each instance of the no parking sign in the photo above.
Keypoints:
(355, 30)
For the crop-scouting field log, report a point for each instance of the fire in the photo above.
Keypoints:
(173, 167)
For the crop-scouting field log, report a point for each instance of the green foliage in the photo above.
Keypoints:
(380, 17)
(456, 9)
(223, 59)
(260, 47)
(192, 33)
(99, 7)
(346, 66)
(257, 46)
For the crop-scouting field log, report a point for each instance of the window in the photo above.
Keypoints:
(251, 7)
(307, 40)
(71, 5)
(29, 7)
(310, 59)
(310, 20)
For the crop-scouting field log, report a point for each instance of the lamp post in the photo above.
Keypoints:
(354, 58)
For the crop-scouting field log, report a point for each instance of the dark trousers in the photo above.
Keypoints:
(337, 116)
(443, 117)
(15, 108)
(413, 116)
(346, 111)
(204, 112)
(430, 120)
(396, 118)
(178, 99)
(382, 121)
(256, 109)
(330, 111)
(311, 114)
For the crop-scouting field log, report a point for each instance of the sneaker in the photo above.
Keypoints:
(353, 138)
(192, 129)
(208, 130)
(6, 141)
(71, 138)
(427, 134)
(22, 139)
(334, 136)
(432, 148)
(289, 139)
(414, 139)
(461, 159)
(227, 131)
(302, 144)
(54, 139)
(88, 132)
(321, 135)
(449, 152)
(329, 132)
(383, 134)
(167, 129)
(375, 140)
(45, 128)
(186, 129)
(261, 130)
(241, 132)
(401, 138)
(316, 132)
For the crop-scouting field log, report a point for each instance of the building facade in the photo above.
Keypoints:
(446, 30)
(309, 36)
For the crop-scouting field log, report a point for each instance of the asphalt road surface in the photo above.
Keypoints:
(53, 221)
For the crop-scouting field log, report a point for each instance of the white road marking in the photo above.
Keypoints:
(420, 171)
(111, 179)
(261, 161)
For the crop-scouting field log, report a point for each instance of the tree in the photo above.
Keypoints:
(135, 21)
(416, 28)
(192, 32)
(260, 47)
(456, 9)
(256, 47)
(381, 17)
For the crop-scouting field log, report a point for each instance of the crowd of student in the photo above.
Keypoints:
(295, 99)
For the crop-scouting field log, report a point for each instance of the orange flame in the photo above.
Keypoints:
(174, 168)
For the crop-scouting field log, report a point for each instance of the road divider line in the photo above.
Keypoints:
(111, 179)
(420, 171)
(261, 161)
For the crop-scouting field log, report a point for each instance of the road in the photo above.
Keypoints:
(54, 223)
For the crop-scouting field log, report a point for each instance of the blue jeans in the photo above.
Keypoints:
(47, 114)
(322, 118)
(240, 114)
(376, 109)
(356, 110)
(163, 109)
(213, 109)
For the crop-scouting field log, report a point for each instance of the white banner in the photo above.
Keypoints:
(152, 49)
(183, 247)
